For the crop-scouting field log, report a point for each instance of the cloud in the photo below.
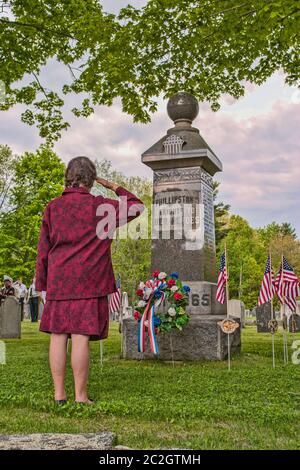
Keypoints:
(111, 134)
(18, 136)
(261, 162)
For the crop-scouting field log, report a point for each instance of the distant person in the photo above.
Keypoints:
(33, 299)
(74, 267)
(22, 295)
(8, 289)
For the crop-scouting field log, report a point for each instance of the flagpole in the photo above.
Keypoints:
(227, 304)
(284, 338)
(272, 307)
(283, 315)
(282, 273)
(227, 286)
(121, 316)
(271, 286)
(282, 309)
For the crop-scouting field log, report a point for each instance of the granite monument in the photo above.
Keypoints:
(183, 234)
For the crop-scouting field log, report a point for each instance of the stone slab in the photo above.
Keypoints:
(294, 323)
(10, 318)
(88, 441)
(201, 339)
(237, 309)
(263, 316)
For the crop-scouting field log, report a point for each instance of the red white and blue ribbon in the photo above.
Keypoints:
(149, 315)
(142, 329)
(151, 331)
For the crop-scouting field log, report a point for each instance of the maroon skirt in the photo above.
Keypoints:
(79, 316)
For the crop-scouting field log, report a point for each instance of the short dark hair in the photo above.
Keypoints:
(80, 171)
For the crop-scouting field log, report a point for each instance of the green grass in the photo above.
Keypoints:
(155, 405)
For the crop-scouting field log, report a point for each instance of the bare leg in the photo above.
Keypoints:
(80, 365)
(58, 359)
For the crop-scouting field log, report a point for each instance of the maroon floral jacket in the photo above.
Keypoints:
(74, 258)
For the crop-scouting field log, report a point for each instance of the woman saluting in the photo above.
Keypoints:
(74, 266)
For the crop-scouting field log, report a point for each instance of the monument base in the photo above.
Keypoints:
(201, 339)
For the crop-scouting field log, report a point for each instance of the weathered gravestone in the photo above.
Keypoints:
(183, 235)
(263, 316)
(10, 318)
(294, 323)
(237, 310)
(126, 308)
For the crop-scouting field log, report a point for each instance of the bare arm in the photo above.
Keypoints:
(107, 184)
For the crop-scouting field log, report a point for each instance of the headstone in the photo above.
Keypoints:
(263, 316)
(294, 323)
(126, 308)
(237, 309)
(277, 314)
(286, 311)
(10, 318)
(183, 230)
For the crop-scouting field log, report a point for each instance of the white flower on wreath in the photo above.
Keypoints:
(174, 288)
(162, 275)
(172, 312)
(141, 303)
(141, 285)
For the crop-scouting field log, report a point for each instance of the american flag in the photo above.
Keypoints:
(115, 298)
(287, 285)
(222, 280)
(267, 289)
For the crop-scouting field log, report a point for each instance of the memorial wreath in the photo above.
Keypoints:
(160, 289)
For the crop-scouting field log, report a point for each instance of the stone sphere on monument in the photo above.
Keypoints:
(182, 107)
